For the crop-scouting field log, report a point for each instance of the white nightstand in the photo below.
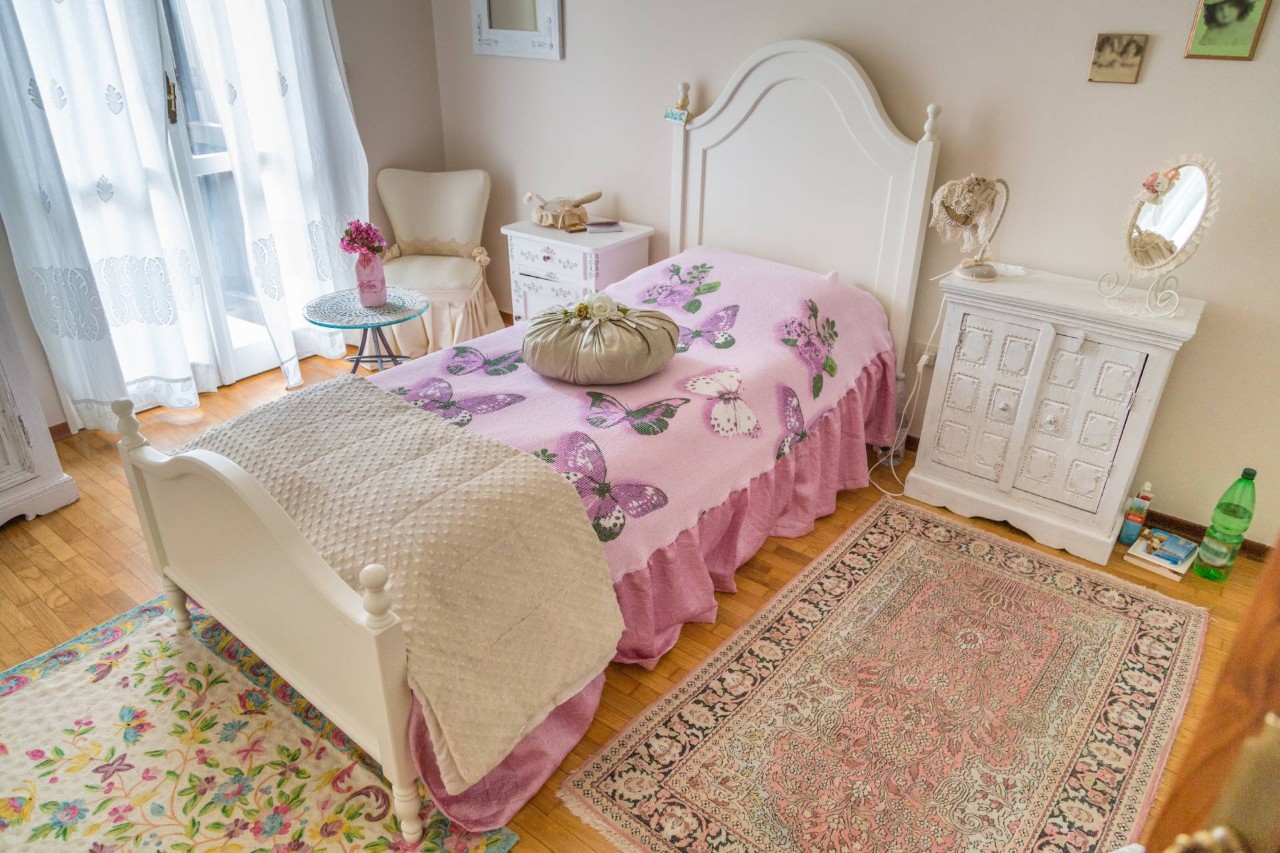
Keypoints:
(1041, 403)
(550, 267)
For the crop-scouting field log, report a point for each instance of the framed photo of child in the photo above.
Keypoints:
(1227, 29)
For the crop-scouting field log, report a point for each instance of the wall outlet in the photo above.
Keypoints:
(919, 348)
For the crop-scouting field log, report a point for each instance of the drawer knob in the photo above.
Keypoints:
(1051, 422)
(546, 258)
(1003, 407)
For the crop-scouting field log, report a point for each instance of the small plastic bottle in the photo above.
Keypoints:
(1136, 515)
(1231, 519)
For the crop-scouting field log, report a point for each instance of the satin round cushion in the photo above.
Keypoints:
(601, 352)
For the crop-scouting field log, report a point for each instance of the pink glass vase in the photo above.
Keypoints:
(370, 280)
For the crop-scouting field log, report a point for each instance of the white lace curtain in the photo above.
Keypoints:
(301, 172)
(98, 234)
(88, 196)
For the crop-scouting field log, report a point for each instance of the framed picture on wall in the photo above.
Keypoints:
(1227, 29)
(1117, 57)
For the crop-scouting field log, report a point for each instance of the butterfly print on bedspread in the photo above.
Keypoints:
(728, 414)
(812, 339)
(681, 289)
(436, 396)
(792, 420)
(605, 411)
(608, 505)
(469, 359)
(714, 330)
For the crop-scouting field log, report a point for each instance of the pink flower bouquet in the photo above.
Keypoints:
(362, 237)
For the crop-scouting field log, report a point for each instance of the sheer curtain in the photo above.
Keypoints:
(300, 169)
(107, 263)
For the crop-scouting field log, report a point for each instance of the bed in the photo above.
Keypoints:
(754, 379)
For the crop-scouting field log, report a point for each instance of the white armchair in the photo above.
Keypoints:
(437, 218)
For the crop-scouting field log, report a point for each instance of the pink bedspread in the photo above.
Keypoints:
(750, 431)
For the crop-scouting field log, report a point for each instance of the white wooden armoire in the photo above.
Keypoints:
(1041, 403)
(31, 479)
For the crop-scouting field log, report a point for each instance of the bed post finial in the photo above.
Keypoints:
(931, 123)
(377, 599)
(127, 425)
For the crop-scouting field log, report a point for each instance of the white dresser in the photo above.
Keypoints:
(550, 267)
(31, 479)
(1041, 403)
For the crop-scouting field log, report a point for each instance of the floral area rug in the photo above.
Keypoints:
(134, 737)
(923, 686)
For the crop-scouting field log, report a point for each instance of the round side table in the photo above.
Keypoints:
(342, 310)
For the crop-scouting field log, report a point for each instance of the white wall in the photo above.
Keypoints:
(1011, 77)
(389, 53)
(388, 48)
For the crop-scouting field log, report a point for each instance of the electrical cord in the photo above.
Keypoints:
(904, 422)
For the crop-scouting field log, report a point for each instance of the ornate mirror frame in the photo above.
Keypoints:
(1161, 297)
(546, 42)
(1183, 254)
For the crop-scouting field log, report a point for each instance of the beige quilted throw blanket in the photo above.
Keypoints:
(507, 603)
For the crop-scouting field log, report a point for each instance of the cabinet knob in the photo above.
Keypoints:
(1003, 407)
(1051, 422)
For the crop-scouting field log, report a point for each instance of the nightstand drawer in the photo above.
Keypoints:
(531, 295)
(555, 262)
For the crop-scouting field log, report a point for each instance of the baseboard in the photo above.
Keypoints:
(507, 319)
(1191, 530)
(60, 431)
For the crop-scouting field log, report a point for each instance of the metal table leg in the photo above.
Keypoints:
(382, 352)
(359, 356)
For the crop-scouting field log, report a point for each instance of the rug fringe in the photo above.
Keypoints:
(583, 812)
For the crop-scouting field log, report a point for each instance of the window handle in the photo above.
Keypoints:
(171, 98)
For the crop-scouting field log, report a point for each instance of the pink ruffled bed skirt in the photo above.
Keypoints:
(678, 585)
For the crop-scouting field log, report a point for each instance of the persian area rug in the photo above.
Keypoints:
(923, 686)
(133, 737)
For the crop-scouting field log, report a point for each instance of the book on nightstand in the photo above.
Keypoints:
(1162, 552)
(603, 226)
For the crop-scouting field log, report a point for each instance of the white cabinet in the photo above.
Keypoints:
(1041, 402)
(550, 267)
(31, 479)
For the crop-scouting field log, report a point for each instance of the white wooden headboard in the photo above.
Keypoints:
(797, 162)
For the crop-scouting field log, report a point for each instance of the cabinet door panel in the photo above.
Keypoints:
(985, 391)
(16, 464)
(1080, 411)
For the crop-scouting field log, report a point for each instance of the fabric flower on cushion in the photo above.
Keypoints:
(601, 305)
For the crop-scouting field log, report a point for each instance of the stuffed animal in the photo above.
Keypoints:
(562, 212)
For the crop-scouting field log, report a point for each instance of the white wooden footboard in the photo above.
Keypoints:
(214, 533)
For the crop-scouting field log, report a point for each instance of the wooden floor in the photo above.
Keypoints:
(75, 568)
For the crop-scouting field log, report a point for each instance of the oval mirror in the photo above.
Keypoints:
(1172, 211)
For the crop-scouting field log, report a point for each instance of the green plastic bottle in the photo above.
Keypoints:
(1231, 519)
